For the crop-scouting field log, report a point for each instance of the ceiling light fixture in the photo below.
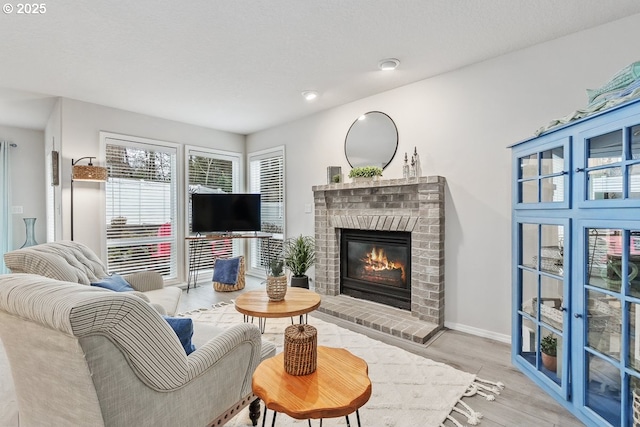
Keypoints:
(310, 95)
(388, 64)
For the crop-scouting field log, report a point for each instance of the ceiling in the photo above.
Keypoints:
(241, 65)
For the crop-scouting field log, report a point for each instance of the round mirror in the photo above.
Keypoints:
(372, 140)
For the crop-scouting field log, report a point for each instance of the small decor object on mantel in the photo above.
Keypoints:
(276, 280)
(416, 160)
(334, 174)
(405, 167)
(368, 172)
(300, 349)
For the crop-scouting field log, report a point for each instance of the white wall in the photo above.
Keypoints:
(462, 123)
(27, 180)
(81, 126)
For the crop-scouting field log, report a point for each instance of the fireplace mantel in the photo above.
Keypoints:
(414, 205)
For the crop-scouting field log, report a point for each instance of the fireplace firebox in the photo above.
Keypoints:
(376, 266)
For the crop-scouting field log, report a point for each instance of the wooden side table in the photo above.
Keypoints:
(297, 302)
(339, 387)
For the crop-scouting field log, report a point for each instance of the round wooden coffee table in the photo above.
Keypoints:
(297, 302)
(339, 387)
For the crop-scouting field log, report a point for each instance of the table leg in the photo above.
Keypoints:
(264, 417)
(348, 423)
(262, 322)
(254, 411)
(273, 423)
(195, 262)
(358, 417)
(304, 318)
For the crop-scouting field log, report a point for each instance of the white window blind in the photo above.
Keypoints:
(210, 172)
(266, 176)
(141, 207)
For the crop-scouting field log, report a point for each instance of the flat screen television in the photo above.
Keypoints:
(221, 212)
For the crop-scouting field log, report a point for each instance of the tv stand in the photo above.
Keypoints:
(197, 243)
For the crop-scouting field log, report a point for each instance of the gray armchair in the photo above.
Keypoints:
(82, 356)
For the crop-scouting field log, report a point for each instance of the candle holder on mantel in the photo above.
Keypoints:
(416, 159)
(405, 167)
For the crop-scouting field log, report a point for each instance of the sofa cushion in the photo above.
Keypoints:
(115, 282)
(183, 327)
(63, 260)
(168, 297)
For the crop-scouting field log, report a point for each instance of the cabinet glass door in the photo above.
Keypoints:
(612, 168)
(542, 176)
(609, 353)
(541, 292)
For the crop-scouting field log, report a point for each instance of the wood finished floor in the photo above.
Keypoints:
(522, 403)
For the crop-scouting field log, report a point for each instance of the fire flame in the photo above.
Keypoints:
(376, 260)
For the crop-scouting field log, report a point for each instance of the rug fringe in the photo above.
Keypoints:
(198, 310)
(484, 388)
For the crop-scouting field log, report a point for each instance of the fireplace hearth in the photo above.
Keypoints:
(376, 266)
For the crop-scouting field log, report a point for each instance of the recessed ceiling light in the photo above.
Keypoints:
(310, 95)
(388, 64)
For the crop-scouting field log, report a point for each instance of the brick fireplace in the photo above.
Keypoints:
(414, 206)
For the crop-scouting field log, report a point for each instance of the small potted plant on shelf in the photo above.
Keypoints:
(365, 172)
(299, 256)
(276, 280)
(549, 348)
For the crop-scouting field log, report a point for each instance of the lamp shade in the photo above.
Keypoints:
(89, 173)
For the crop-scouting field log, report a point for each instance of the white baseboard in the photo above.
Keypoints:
(478, 332)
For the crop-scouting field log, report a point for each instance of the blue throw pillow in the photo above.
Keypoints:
(226, 270)
(183, 327)
(115, 282)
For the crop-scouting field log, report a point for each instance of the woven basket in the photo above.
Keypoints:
(300, 349)
(276, 287)
(223, 287)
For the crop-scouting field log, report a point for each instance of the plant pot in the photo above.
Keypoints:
(300, 282)
(365, 179)
(276, 287)
(549, 362)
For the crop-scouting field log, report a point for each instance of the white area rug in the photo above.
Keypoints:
(407, 390)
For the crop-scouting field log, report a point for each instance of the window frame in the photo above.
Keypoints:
(237, 183)
(278, 151)
(149, 143)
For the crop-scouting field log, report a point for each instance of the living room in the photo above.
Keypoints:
(460, 121)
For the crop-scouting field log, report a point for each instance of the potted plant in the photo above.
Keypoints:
(368, 172)
(276, 280)
(549, 348)
(299, 256)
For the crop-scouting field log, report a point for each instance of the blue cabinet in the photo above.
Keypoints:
(576, 261)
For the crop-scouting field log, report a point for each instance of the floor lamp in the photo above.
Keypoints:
(85, 173)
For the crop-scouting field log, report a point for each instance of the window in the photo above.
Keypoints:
(266, 176)
(212, 172)
(141, 206)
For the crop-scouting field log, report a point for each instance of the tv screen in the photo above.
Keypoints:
(220, 212)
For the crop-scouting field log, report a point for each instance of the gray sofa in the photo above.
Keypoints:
(74, 262)
(83, 356)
